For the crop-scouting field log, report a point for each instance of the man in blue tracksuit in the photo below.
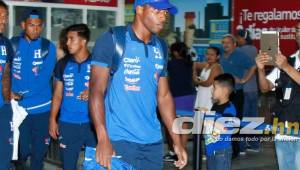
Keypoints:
(31, 87)
(5, 109)
(72, 74)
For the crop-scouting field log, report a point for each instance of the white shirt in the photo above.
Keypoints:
(275, 74)
(272, 77)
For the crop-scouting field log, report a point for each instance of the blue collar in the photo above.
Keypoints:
(22, 35)
(71, 57)
(133, 36)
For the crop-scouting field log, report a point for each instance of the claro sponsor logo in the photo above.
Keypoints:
(132, 60)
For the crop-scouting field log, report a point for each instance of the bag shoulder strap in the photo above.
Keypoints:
(119, 38)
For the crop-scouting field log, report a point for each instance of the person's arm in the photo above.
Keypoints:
(264, 84)
(248, 75)
(55, 106)
(167, 111)
(98, 85)
(214, 73)
(6, 83)
(281, 62)
(197, 66)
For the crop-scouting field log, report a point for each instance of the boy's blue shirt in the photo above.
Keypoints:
(221, 141)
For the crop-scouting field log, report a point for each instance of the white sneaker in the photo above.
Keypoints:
(243, 153)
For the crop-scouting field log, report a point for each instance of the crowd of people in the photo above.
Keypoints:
(115, 97)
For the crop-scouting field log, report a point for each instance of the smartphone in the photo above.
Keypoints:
(269, 43)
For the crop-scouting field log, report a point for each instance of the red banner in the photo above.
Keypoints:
(110, 3)
(272, 15)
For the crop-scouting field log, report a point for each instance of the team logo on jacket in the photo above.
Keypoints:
(3, 50)
(69, 94)
(35, 70)
(156, 76)
(17, 76)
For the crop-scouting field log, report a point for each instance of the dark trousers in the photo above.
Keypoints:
(34, 139)
(71, 139)
(141, 156)
(5, 136)
(237, 98)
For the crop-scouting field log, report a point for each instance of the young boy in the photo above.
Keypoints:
(217, 137)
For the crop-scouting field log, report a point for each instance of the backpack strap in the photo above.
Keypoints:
(163, 46)
(15, 42)
(45, 47)
(61, 64)
(119, 38)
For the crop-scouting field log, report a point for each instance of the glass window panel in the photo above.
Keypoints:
(62, 18)
(100, 21)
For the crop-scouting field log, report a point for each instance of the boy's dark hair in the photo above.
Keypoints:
(3, 4)
(226, 80)
(216, 49)
(82, 30)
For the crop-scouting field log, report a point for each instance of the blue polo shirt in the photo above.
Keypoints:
(6, 54)
(131, 98)
(31, 75)
(236, 64)
(75, 77)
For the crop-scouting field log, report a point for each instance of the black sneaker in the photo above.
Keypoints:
(170, 158)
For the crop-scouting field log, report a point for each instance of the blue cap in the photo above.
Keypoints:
(34, 14)
(157, 4)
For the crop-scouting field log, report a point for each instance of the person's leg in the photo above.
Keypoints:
(237, 99)
(285, 155)
(210, 162)
(40, 140)
(223, 159)
(90, 136)
(151, 156)
(184, 138)
(70, 144)
(297, 154)
(246, 113)
(24, 142)
(6, 137)
(253, 112)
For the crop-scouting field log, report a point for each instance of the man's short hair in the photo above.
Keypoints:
(82, 30)
(3, 4)
(226, 80)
